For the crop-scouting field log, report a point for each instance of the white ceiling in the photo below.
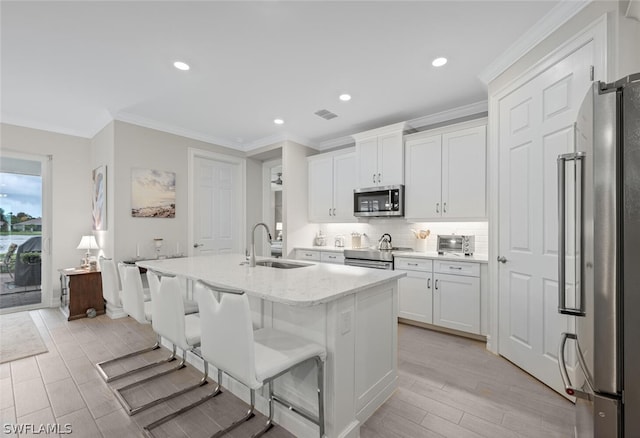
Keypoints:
(72, 67)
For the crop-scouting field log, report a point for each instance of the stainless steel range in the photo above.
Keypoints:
(371, 258)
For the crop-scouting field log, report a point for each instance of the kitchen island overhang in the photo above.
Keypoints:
(351, 311)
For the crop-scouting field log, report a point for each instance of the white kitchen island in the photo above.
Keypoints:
(351, 311)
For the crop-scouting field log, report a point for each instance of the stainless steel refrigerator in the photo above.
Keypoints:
(599, 270)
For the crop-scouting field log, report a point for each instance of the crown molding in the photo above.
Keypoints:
(346, 140)
(159, 126)
(276, 138)
(633, 10)
(548, 24)
(451, 114)
(88, 133)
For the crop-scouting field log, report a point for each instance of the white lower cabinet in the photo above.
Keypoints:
(445, 294)
(456, 302)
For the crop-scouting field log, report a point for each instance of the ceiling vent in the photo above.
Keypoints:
(326, 114)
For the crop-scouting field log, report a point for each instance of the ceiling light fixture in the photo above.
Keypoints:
(181, 65)
(345, 97)
(439, 62)
(278, 121)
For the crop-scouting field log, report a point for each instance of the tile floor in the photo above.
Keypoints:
(449, 387)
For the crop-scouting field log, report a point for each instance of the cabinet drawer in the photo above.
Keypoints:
(332, 257)
(305, 254)
(407, 264)
(457, 268)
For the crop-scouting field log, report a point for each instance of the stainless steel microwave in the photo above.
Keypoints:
(379, 202)
(458, 244)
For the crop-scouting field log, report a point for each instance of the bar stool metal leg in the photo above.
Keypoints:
(249, 415)
(134, 410)
(108, 379)
(218, 390)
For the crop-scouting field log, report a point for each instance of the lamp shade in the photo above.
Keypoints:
(88, 242)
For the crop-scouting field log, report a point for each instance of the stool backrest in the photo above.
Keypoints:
(110, 287)
(132, 292)
(167, 308)
(226, 338)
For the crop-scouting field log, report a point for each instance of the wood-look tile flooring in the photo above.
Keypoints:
(453, 387)
(449, 387)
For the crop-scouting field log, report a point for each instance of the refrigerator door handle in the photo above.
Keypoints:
(577, 157)
(568, 386)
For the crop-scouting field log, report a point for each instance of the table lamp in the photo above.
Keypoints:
(88, 243)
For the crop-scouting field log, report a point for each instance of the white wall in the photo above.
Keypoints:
(139, 147)
(296, 227)
(71, 191)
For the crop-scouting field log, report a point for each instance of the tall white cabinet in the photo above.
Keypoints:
(331, 182)
(380, 156)
(446, 174)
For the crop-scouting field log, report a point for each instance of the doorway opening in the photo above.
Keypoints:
(21, 232)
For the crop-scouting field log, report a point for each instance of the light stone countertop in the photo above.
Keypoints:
(318, 283)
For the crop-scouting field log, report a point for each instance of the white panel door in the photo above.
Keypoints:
(367, 151)
(390, 160)
(344, 181)
(321, 189)
(423, 179)
(216, 206)
(464, 175)
(536, 124)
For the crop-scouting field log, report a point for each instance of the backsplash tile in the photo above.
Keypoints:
(402, 235)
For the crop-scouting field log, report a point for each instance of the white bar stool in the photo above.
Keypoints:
(153, 278)
(111, 288)
(254, 358)
(134, 304)
(169, 320)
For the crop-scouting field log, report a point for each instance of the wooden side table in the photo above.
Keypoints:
(81, 289)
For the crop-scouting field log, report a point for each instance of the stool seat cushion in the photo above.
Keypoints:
(192, 329)
(276, 351)
(190, 306)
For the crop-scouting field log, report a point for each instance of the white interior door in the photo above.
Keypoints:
(217, 206)
(536, 125)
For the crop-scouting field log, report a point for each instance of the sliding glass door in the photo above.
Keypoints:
(22, 231)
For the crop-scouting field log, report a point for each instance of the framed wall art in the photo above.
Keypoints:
(153, 193)
(99, 198)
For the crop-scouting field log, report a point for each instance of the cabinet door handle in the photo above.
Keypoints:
(334, 211)
(428, 283)
(374, 177)
(379, 178)
(437, 207)
(436, 284)
(329, 212)
(459, 268)
(412, 264)
(331, 257)
(444, 207)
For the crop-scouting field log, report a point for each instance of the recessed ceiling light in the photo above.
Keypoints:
(345, 97)
(181, 65)
(278, 121)
(439, 62)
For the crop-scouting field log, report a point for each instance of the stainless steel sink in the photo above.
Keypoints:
(281, 265)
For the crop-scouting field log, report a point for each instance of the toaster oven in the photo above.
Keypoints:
(457, 244)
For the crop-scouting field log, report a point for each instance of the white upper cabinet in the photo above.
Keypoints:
(331, 183)
(446, 173)
(464, 173)
(422, 191)
(380, 155)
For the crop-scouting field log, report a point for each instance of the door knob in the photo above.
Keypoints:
(196, 245)
(502, 259)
